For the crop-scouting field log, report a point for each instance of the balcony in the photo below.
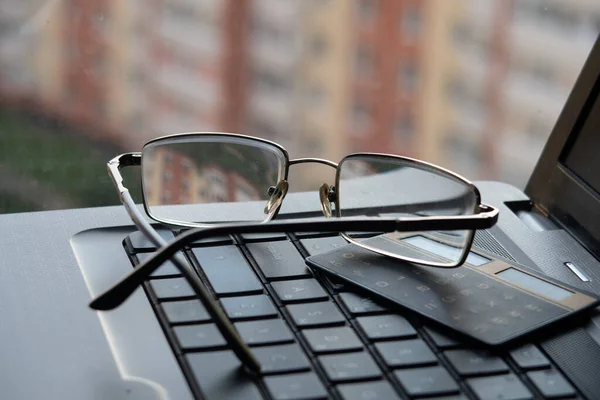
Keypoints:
(188, 87)
(273, 53)
(281, 12)
(195, 38)
(273, 106)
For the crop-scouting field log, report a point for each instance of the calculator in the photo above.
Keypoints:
(489, 299)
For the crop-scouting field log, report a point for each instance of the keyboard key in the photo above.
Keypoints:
(213, 241)
(279, 260)
(316, 314)
(168, 269)
(295, 387)
(138, 241)
(470, 363)
(185, 311)
(332, 339)
(359, 305)
(503, 387)
(321, 245)
(529, 357)
(264, 332)
(390, 326)
(299, 290)
(258, 306)
(349, 367)
(201, 336)
(175, 288)
(227, 270)
(218, 375)
(336, 284)
(551, 383)
(257, 237)
(431, 381)
(278, 359)
(405, 353)
(380, 390)
(441, 340)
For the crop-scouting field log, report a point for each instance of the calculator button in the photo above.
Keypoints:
(441, 340)
(268, 331)
(175, 288)
(248, 307)
(380, 390)
(405, 353)
(299, 290)
(359, 305)
(349, 367)
(279, 260)
(470, 363)
(432, 381)
(529, 357)
(321, 245)
(283, 358)
(390, 326)
(332, 339)
(503, 387)
(551, 383)
(316, 314)
(185, 311)
(295, 386)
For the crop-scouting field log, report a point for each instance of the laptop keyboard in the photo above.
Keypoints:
(317, 337)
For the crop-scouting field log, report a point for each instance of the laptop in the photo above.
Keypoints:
(315, 336)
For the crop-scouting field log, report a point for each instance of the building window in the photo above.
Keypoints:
(404, 128)
(318, 46)
(408, 78)
(361, 118)
(364, 62)
(367, 10)
(410, 23)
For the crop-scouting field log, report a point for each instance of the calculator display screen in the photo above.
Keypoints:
(532, 283)
(444, 250)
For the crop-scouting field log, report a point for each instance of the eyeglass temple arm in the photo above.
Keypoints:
(114, 296)
(128, 286)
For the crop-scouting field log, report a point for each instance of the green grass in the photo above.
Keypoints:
(66, 161)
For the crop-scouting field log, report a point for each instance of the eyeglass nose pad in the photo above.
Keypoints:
(325, 195)
(276, 193)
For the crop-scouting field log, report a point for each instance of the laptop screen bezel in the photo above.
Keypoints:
(555, 189)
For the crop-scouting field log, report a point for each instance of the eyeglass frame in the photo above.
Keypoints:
(114, 296)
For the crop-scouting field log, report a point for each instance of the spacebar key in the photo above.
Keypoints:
(219, 376)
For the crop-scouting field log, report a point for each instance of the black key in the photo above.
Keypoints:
(332, 339)
(431, 381)
(201, 336)
(405, 353)
(257, 237)
(227, 270)
(175, 288)
(359, 305)
(138, 242)
(316, 314)
(441, 340)
(349, 367)
(220, 376)
(265, 331)
(185, 311)
(390, 326)
(321, 245)
(529, 357)
(295, 386)
(551, 383)
(380, 390)
(168, 269)
(335, 283)
(299, 290)
(503, 387)
(248, 307)
(279, 260)
(278, 359)
(471, 363)
(213, 241)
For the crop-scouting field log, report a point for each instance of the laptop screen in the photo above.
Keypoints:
(565, 183)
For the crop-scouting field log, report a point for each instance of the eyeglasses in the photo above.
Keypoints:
(223, 183)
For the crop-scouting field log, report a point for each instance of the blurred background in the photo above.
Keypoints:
(472, 85)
